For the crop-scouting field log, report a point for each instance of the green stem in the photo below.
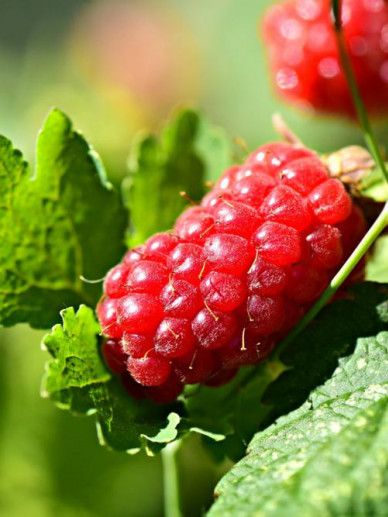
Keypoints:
(375, 230)
(363, 118)
(171, 480)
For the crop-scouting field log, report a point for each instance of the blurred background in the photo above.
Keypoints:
(117, 67)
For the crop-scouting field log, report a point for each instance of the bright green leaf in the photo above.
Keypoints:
(76, 367)
(213, 436)
(62, 223)
(188, 152)
(329, 457)
(168, 433)
(154, 444)
(377, 264)
(375, 186)
(76, 379)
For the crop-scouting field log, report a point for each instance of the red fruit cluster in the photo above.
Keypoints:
(304, 56)
(235, 274)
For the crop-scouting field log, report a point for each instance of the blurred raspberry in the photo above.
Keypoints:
(304, 58)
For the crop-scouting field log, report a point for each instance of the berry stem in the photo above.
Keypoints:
(369, 238)
(363, 118)
(171, 480)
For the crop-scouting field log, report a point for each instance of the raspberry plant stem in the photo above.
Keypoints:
(171, 480)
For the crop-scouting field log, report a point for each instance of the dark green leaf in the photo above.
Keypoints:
(188, 152)
(329, 457)
(77, 379)
(62, 223)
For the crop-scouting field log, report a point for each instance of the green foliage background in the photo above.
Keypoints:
(51, 463)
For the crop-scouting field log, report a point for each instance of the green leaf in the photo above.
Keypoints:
(154, 444)
(188, 152)
(76, 379)
(76, 367)
(62, 223)
(214, 149)
(329, 457)
(376, 266)
(257, 396)
(375, 186)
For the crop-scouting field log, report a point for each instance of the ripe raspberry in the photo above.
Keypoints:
(304, 57)
(238, 272)
(151, 370)
(174, 338)
(278, 243)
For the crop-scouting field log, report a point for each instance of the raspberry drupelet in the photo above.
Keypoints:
(234, 275)
(304, 58)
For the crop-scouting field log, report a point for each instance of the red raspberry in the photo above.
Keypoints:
(167, 392)
(114, 356)
(174, 338)
(194, 225)
(214, 329)
(299, 176)
(197, 367)
(266, 314)
(159, 246)
(278, 243)
(139, 313)
(254, 350)
(242, 270)
(222, 291)
(330, 202)
(253, 189)
(265, 278)
(305, 283)
(181, 299)
(325, 247)
(107, 315)
(221, 377)
(284, 205)
(115, 283)
(228, 253)
(304, 57)
(146, 276)
(187, 262)
(136, 345)
(273, 156)
(133, 256)
(234, 217)
(149, 370)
